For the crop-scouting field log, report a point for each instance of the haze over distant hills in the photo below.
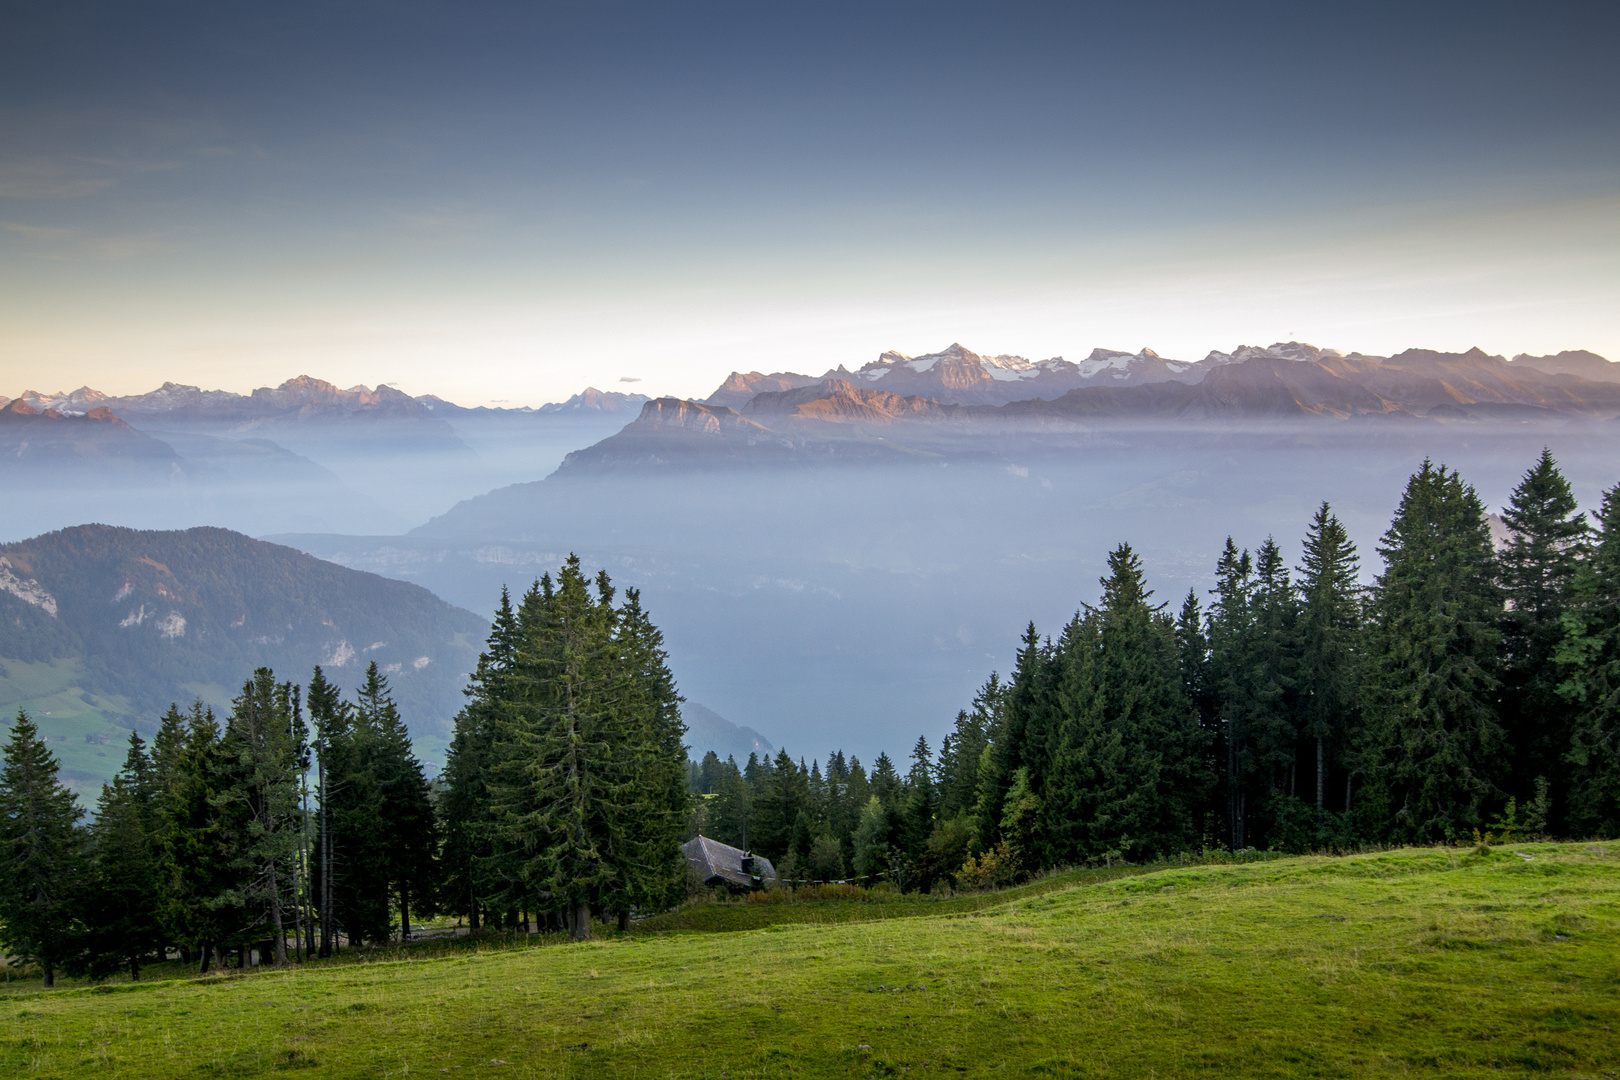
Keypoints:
(102, 628)
(831, 556)
(304, 455)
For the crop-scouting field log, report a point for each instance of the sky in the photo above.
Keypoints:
(503, 203)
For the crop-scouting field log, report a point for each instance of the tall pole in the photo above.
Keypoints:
(326, 858)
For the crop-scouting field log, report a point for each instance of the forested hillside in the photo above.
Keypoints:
(1468, 689)
(102, 628)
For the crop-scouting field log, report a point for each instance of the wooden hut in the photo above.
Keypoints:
(718, 864)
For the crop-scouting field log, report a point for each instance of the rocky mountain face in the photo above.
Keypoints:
(839, 401)
(740, 388)
(958, 402)
(46, 439)
(959, 376)
(112, 624)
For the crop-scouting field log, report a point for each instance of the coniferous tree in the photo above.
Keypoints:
(567, 760)
(203, 833)
(464, 807)
(1330, 633)
(962, 749)
(1273, 727)
(653, 826)
(41, 854)
(730, 811)
(260, 750)
(405, 810)
(1230, 621)
(1590, 657)
(122, 916)
(353, 846)
(1546, 538)
(1434, 742)
(1024, 739)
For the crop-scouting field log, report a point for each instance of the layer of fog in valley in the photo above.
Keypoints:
(324, 476)
(860, 605)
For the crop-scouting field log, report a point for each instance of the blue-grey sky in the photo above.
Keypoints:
(504, 202)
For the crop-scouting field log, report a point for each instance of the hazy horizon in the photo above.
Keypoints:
(503, 202)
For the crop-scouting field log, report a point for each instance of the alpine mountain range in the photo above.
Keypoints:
(832, 556)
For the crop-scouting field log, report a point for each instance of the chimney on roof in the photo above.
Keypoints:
(748, 862)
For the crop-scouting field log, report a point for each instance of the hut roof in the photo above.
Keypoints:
(722, 864)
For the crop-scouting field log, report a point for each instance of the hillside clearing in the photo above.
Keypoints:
(1432, 962)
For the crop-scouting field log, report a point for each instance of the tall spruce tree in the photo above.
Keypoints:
(354, 845)
(1590, 657)
(41, 854)
(649, 835)
(1330, 646)
(567, 754)
(122, 898)
(410, 845)
(1546, 539)
(1230, 622)
(464, 806)
(1435, 745)
(262, 753)
(203, 833)
(1025, 736)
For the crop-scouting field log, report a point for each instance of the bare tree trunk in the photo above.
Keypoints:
(581, 930)
(624, 922)
(207, 954)
(326, 861)
(50, 975)
(280, 932)
(1348, 780)
(1321, 779)
(404, 913)
(134, 969)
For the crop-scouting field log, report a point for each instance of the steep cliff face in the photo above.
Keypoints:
(838, 401)
(740, 387)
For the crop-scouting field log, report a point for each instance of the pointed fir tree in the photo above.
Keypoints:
(566, 768)
(1230, 630)
(203, 833)
(650, 833)
(464, 806)
(121, 905)
(1435, 745)
(1546, 539)
(41, 854)
(262, 752)
(406, 807)
(1589, 655)
(1330, 647)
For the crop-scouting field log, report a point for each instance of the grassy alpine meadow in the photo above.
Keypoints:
(1425, 962)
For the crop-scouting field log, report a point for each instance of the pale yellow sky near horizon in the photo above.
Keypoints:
(1509, 277)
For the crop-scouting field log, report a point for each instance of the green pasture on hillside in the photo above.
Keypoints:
(1419, 962)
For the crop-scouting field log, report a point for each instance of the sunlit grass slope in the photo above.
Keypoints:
(1419, 962)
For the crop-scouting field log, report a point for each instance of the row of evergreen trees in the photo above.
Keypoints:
(1469, 687)
(564, 797)
(207, 843)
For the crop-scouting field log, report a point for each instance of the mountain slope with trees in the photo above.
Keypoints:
(103, 628)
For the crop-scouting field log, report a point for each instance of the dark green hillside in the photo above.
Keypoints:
(101, 627)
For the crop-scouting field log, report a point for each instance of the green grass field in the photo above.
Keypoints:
(75, 722)
(1421, 962)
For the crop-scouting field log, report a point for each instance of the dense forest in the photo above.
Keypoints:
(1472, 688)
(1469, 688)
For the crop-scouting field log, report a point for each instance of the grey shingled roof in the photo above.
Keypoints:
(722, 864)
